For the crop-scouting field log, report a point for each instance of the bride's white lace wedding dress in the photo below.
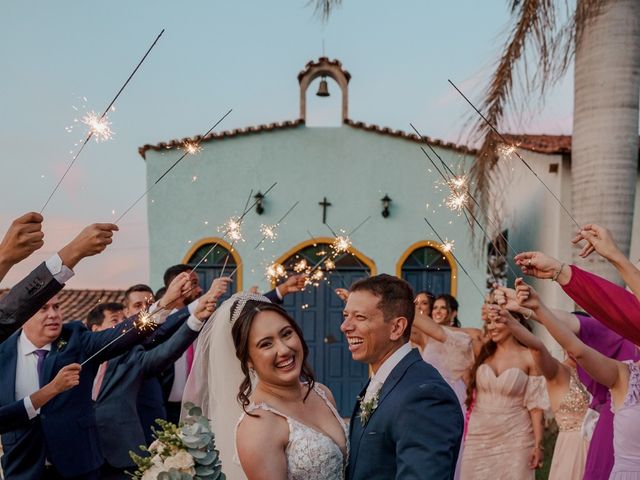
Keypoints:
(311, 454)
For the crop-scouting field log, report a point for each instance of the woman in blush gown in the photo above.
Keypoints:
(569, 399)
(504, 433)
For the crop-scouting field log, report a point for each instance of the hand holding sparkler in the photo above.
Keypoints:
(177, 289)
(600, 240)
(293, 284)
(219, 287)
(90, 241)
(540, 265)
(206, 306)
(23, 237)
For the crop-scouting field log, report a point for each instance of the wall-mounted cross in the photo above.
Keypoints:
(324, 204)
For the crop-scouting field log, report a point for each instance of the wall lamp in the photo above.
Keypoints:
(259, 198)
(386, 203)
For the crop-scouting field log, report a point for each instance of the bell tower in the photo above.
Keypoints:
(325, 68)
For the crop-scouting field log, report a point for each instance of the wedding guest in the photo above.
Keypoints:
(13, 415)
(118, 381)
(593, 333)
(31, 293)
(504, 433)
(109, 313)
(611, 304)
(424, 301)
(137, 298)
(569, 399)
(61, 440)
(622, 379)
(445, 312)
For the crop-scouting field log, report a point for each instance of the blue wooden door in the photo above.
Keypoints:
(319, 312)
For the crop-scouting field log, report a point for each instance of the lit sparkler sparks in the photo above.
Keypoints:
(457, 201)
(507, 150)
(275, 271)
(300, 266)
(448, 245)
(192, 148)
(269, 232)
(329, 264)
(341, 244)
(231, 229)
(144, 320)
(99, 126)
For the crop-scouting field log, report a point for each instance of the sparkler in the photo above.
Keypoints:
(514, 150)
(448, 245)
(460, 194)
(144, 194)
(99, 126)
(456, 259)
(269, 231)
(275, 271)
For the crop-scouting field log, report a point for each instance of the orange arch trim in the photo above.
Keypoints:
(222, 243)
(437, 246)
(368, 262)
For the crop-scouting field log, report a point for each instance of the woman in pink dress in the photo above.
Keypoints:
(504, 434)
(622, 379)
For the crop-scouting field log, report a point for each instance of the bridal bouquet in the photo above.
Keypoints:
(185, 452)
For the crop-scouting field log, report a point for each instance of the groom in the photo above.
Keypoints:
(407, 423)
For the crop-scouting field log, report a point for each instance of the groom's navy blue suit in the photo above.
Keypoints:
(415, 431)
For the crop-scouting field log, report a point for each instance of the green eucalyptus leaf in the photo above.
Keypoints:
(195, 411)
(204, 471)
(164, 476)
(197, 454)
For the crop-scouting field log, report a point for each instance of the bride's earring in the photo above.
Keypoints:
(253, 375)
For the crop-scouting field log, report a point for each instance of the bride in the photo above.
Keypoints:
(251, 378)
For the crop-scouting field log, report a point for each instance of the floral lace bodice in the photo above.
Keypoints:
(311, 454)
(573, 406)
(626, 435)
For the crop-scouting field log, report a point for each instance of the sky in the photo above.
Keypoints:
(216, 55)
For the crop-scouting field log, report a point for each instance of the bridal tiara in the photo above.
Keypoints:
(241, 300)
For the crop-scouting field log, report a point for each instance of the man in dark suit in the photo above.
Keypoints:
(407, 423)
(60, 441)
(119, 380)
(23, 238)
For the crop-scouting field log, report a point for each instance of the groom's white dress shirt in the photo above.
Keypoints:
(385, 370)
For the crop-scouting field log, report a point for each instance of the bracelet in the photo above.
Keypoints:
(539, 447)
(557, 274)
(529, 314)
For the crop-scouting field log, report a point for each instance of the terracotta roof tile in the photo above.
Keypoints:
(76, 304)
(542, 143)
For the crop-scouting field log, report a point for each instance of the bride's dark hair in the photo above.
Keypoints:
(240, 333)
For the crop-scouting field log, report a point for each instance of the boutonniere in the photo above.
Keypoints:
(60, 344)
(368, 407)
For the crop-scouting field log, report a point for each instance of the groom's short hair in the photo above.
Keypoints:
(396, 297)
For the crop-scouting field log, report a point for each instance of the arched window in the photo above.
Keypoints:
(213, 258)
(426, 266)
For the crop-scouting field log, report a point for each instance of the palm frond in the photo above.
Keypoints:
(323, 8)
(537, 30)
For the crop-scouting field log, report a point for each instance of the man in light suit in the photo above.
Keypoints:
(407, 422)
(119, 380)
(61, 440)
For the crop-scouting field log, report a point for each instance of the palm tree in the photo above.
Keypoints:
(603, 38)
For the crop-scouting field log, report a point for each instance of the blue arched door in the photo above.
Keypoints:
(211, 264)
(426, 268)
(318, 310)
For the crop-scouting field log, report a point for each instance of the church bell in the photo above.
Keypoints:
(323, 89)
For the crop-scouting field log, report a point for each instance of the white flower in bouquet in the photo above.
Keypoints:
(180, 461)
(153, 473)
(157, 446)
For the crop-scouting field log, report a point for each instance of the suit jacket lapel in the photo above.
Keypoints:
(355, 428)
(396, 374)
(108, 376)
